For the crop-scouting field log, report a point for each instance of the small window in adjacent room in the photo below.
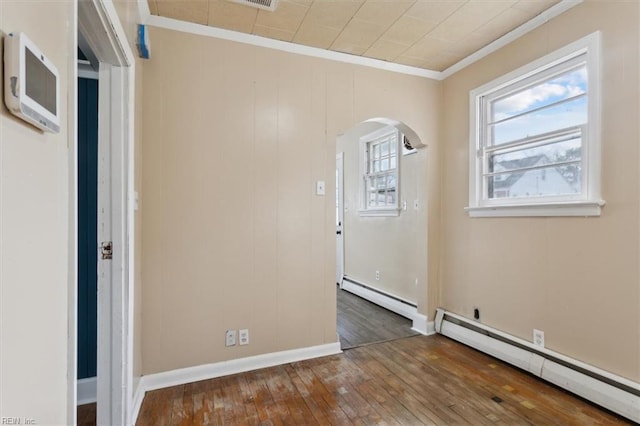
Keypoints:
(379, 176)
(534, 138)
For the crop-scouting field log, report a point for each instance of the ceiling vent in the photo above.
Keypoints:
(269, 5)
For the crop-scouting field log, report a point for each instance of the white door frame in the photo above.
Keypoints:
(100, 26)
(340, 228)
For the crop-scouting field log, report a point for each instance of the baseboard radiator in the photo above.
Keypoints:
(388, 301)
(615, 393)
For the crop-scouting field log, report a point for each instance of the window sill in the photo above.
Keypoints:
(379, 213)
(569, 208)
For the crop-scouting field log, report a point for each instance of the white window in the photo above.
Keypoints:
(534, 138)
(379, 174)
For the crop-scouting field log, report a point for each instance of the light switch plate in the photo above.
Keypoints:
(320, 187)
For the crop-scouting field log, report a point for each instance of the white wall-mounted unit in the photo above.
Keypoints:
(31, 83)
(620, 395)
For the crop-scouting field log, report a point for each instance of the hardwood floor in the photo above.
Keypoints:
(410, 381)
(86, 415)
(361, 322)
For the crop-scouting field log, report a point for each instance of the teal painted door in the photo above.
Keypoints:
(87, 226)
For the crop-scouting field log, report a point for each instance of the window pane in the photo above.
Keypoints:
(561, 116)
(372, 199)
(542, 182)
(555, 89)
(381, 161)
(384, 149)
(391, 181)
(553, 180)
(384, 165)
(391, 198)
(564, 150)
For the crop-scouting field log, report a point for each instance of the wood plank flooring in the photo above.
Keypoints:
(411, 381)
(361, 322)
(86, 415)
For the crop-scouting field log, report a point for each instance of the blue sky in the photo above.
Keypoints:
(557, 117)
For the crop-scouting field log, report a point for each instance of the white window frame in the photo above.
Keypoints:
(365, 141)
(589, 202)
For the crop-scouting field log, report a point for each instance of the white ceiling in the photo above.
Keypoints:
(429, 34)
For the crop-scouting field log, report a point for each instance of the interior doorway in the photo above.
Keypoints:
(87, 233)
(379, 226)
(100, 29)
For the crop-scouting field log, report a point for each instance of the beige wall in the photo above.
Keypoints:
(576, 279)
(35, 271)
(235, 137)
(391, 245)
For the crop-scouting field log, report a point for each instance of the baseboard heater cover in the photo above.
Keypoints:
(380, 292)
(393, 303)
(620, 395)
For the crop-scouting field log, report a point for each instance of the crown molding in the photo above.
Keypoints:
(513, 35)
(207, 31)
(285, 46)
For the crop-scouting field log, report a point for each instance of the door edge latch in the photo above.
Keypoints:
(106, 250)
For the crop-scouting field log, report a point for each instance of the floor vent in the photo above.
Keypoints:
(269, 5)
(618, 394)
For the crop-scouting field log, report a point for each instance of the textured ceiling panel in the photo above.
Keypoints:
(288, 16)
(430, 34)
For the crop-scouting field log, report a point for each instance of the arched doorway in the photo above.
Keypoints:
(380, 224)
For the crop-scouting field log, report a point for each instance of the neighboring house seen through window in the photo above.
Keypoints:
(379, 177)
(534, 138)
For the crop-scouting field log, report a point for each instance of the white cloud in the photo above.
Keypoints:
(523, 100)
(563, 86)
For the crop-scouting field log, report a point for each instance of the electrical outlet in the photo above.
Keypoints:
(538, 338)
(230, 338)
(243, 336)
(377, 275)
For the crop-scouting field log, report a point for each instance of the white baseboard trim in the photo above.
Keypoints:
(138, 397)
(393, 303)
(87, 390)
(618, 394)
(211, 371)
(422, 325)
